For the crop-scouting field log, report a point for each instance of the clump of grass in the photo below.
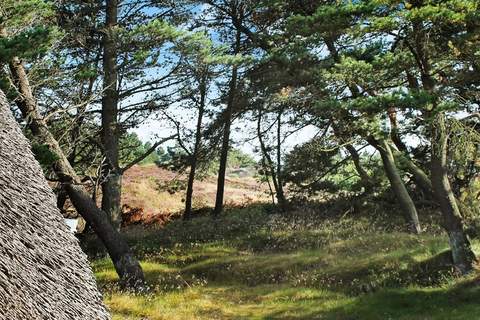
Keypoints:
(252, 264)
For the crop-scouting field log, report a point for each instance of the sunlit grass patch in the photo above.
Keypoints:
(281, 302)
(217, 302)
(251, 264)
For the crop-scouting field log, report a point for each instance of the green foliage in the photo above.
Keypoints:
(27, 27)
(176, 159)
(346, 63)
(239, 159)
(132, 148)
(317, 166)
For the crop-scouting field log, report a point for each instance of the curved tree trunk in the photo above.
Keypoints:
(421, 178)
(401, 154)
(397, 184)
(364, 177)
(127, 266)
(462, 254)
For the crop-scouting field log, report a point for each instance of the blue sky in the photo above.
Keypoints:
(242, 129)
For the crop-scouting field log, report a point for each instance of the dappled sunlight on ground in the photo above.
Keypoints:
(255, 265)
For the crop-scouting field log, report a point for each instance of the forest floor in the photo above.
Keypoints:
(253, 263)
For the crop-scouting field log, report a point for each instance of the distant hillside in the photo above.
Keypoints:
(152, 194)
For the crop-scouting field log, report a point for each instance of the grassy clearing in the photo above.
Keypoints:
(254, 265)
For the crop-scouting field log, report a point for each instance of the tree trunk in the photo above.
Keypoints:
(196, 149)
(397, 184)
(112, 186)
(282, 201)
(111, 197)
(364, 177)
(267, 161)
(127, 266)
(226, 134)
(61, 199)
(394, 131)
(462, 254)
(401, 154)
(223, 158)
(420, 177)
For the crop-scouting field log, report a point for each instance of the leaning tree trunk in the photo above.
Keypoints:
(125, 263)
(401, 153)
(420, 177)
(462, 254)
(196, 148)
(112, 186)
(226, 134)
(397, 184)
(364, 177)
(127, 266)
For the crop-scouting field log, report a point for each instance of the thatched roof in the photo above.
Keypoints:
(43, 272)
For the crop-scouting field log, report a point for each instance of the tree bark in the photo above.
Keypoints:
(112, 185)
(226, 133)
(397, 184)
(127, 266)
(282, 201)
(420, 177)
(196, 148)
(394, 131)
(401, 154)
(364, 177)
(268, 162)
(462, 254)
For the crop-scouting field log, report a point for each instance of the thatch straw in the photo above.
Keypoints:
(43, 273)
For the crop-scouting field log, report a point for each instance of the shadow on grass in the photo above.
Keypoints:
(282, 302)
(409, 303)
(252, 264)
(345, 266)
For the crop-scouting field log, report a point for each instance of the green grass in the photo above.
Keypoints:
(254, 265)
